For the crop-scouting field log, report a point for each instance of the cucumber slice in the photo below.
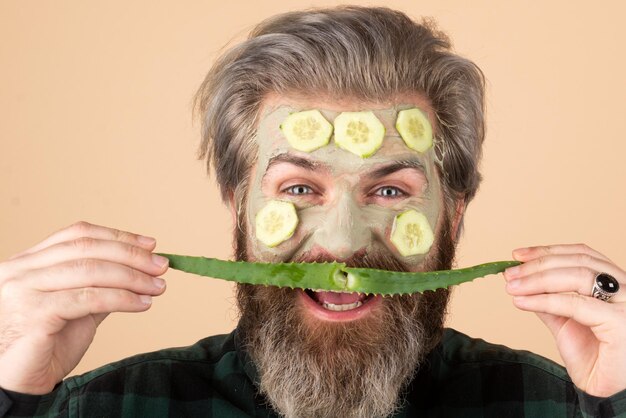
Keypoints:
(275, 222)
(359, 132)
(415, 129)
(307, 130)
(411, 233)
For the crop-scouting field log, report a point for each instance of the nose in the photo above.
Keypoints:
(343, 232)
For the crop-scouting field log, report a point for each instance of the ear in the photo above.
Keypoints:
(458, 215)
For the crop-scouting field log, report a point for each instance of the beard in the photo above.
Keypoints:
(313, 368)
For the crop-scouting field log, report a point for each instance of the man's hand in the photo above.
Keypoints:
(555, 282)
(55, 294)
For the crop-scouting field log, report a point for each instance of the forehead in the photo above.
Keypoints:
(274, 100)
(386, 111)
(272, 143)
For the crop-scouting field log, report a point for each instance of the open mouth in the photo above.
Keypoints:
(338, 301)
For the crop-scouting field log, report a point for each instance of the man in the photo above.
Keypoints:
(309, 353)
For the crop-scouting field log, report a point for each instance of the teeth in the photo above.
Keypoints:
(346, 307)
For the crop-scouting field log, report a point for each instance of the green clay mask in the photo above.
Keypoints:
(342, 200)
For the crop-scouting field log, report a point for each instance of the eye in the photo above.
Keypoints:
(298, 190)
(389, 192)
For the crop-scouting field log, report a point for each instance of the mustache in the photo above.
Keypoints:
(360, 259)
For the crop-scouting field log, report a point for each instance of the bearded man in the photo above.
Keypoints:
(310, 353)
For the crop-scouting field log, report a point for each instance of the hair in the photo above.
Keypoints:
(363, 53)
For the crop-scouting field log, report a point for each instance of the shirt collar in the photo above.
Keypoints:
(244, 357)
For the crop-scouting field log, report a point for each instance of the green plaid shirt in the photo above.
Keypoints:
(463, 377)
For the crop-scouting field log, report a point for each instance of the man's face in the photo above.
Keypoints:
(346, 207)
(346, 203)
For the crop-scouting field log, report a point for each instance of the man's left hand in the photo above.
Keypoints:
(555, 282)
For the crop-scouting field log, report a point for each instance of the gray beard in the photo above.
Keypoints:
(354, 369)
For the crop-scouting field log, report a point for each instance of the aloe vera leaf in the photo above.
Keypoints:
(303, 275)
(386, 282)
(331, 276)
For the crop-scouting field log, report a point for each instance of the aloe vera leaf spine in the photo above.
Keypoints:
(331, 276)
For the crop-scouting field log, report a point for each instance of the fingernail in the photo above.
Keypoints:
(146, 240)
(514, 284)
(159, 261)
(158, 282)
(519, 300)
(513, 272)
(146, 299)
(521, 251)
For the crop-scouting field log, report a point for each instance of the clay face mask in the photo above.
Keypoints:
(344, 203)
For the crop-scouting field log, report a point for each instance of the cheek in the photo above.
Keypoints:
(257, 246)
(381, 222)
(412, 234)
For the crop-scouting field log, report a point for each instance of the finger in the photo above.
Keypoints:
(553, 322)
(566, 279)
(531, 253)
(563, 329)
(574, 346)
(115, 251)
(584, 310)
(50, 311)
(86, 229)
(564, 260)
(77, 303)
(89, 272)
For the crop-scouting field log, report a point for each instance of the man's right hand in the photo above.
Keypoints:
(55, 294)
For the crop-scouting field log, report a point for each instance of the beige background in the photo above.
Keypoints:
(95, 125)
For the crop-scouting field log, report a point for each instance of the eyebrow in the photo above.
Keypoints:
(315, 165)
(397, 166)
(294, 160)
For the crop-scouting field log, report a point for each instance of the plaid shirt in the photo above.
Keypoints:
(463, 377)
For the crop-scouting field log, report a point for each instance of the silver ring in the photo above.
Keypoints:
(604, 287)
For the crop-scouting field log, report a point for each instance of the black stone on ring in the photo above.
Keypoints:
(604, 287)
